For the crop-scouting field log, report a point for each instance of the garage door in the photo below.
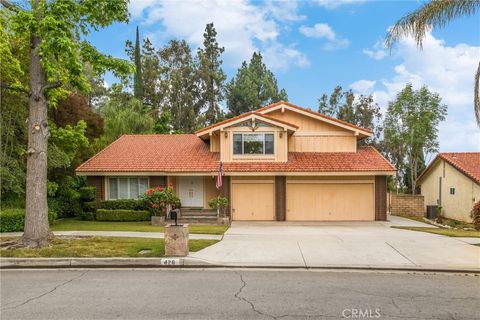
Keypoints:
(253, 201)
(330, 201)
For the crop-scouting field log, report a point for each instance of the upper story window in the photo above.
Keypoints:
(127, 188)
(452, 191)
(253, 143)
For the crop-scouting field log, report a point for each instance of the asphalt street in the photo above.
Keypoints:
(236, 294)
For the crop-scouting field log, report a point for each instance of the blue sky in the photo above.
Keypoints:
(312, 46)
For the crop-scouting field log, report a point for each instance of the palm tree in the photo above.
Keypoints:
(436, 13)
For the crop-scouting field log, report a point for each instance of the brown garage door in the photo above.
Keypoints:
(253, 201)
(330, 201)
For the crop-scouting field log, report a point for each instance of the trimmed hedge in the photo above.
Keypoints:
(122, 215)
(12, 220)
(87, 193)
(124, 204)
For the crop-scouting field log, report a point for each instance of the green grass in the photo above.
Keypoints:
(99, 247)
(72, 224)
(445, 232)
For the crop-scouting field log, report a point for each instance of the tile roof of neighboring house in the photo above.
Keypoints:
(244, 115)
(273, 105)
(466, 162)
(188, 153)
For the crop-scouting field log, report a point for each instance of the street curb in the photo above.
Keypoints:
(187, 262)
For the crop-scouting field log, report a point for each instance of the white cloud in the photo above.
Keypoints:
(363, 86)
(447, 70)
(331, 4)
(242, 27)
(324, 31)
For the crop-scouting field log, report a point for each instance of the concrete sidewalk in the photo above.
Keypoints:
(344, 244)
(120, 234)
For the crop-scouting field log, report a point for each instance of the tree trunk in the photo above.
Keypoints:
(36, 230)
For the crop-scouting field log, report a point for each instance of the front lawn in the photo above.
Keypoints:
(63, 247)
(445, 232)
(72, 224)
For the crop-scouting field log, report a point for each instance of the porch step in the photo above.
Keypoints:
(198, 220)
(197, 213)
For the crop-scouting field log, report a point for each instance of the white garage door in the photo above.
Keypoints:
(330, 201)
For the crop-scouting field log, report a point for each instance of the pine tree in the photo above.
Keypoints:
(252, 87)
(211, 77)
(138, 79)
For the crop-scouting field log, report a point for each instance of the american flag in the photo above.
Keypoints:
(219, 176)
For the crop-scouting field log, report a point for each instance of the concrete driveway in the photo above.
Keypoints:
(339, 244)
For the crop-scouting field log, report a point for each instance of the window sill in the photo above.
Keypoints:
(254, 157)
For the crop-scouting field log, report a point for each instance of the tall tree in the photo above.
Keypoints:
(124, 114)
(138, 78)
(411, 132)
(253, 87)
(360, 110)
(210, 76)
(436, 14)
(177, 85)
(56, 59)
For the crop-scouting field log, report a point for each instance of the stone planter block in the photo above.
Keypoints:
(176, 240)
(158, 220)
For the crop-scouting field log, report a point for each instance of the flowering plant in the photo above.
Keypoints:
(159, 199)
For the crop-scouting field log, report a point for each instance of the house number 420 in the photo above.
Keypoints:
(170, 262)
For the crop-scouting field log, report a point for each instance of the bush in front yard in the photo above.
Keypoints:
(124, 204)
(122, 215)
(87, 193)
(476, 215)
(12, 220)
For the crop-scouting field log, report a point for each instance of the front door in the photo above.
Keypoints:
(191, 191)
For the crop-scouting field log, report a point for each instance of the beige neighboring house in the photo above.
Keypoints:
(280, 162)
(452, 180)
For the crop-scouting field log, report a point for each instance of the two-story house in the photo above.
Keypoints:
(281, 162)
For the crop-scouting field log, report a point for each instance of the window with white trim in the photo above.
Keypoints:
(452, 191)
(126, 188)
(253, 143)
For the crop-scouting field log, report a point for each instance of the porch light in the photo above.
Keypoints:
(226, 134)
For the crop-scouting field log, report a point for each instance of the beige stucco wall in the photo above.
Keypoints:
(455, 206)
(316, 136)
(210, 190)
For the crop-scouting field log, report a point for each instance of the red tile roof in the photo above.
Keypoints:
(273, 105)
(466, 162)
(244, 115)
(188, 153)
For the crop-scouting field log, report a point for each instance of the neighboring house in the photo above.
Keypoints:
(281, 162)
(452, 180)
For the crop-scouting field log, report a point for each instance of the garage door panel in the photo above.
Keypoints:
(253, 201)
(330, 202)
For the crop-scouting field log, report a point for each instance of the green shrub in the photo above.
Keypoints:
(122, 215)
(87, 193)
(67, 203)
(124, 204)
(12, 220)
(476, 215)
(88, 215)
(89, 206)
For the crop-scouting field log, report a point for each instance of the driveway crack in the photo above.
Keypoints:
(303, 257)
(252, 305)
(410, 260)
(46, 293)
